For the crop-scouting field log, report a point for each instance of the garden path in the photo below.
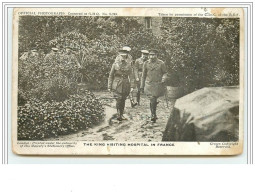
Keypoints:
(138, 127)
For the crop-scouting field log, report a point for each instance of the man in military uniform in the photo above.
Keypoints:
(70, 58)
(52, 56)
(154, 71)
(34, 52)
(120, 81)
(30, 54)
(129, 59)
(138, 70)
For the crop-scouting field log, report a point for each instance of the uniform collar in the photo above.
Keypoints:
(154, 64)
(153, 61)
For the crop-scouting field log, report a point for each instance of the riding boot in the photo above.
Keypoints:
(152, 112)
(155, 111)
(153, 106)
(118, 106)
(138, 97)
(122, 109)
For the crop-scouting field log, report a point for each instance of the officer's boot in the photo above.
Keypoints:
(118, 106)
(156, 103)
(152, 111)
(122, 109)
(155, 110)
(153, 106)
(138, 97)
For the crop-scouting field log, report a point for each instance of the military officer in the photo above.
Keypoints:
(154, 71)
(120, 81)
(34, 52)
(138, 70)
(31, 55)
(53, 55)
(129, 58)
(70, 58)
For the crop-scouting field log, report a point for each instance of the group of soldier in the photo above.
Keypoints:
(147, 75)
(65, 55)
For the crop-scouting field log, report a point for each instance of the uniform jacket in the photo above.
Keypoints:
(138, 67)
(152, 78)
(121, 77)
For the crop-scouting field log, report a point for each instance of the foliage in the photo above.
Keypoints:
(198, 52)
(95, 57)
(38, 120)
(38, 31)
(202, 51)
(48, 101)
(48, 80)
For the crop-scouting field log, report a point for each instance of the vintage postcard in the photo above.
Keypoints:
(128, 81)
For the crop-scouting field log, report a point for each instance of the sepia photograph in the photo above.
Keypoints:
(105, 77)
(133, 92)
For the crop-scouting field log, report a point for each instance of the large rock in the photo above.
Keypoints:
(208, 114)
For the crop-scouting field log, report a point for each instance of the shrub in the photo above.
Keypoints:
(48, 102)
(198, 52)
(202, 51)
(52, 80)
(50, 27)
(38, 120)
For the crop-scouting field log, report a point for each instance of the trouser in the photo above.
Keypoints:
(153, 107)
(139, 88)
(138, 95)
(120, 105)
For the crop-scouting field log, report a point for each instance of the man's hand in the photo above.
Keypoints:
(137, 79)
(109, 90)
(132, 89)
